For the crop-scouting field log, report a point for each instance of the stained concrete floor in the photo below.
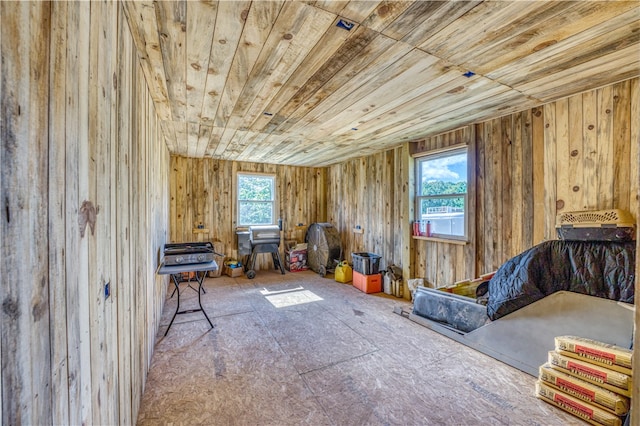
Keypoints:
(300, 349)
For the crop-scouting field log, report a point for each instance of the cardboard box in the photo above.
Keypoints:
(296, 260)
(367, 283)
(233, 272)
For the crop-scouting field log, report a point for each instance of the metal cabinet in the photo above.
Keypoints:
(244, 243)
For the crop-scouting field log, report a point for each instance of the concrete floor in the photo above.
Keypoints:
(300, 349)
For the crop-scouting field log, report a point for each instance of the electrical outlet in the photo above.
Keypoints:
(107, 290)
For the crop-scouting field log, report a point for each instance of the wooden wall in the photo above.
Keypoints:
(203, 192)
(370, 192)
(78, 133)
(574, 154)
(509, 178)
(79, 141)
(591, 151)
(438, 262)
(508, 181)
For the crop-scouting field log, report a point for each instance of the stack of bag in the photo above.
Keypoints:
(589, 379)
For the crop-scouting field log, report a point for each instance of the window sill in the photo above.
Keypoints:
(441, 240)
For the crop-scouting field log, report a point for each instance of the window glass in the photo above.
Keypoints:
(441, 193)
(256, 199)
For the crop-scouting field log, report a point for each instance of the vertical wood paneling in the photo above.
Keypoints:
(528, 179)
(589, 148)
(78, 125)
(2, 129)
(517, 188)
(404, 170)
(440, 263)
(538, 179)
(101, 49)
(78, 325)
(367, 192)
(57, 229)
(204, 192)
(480, 217)
(575, 151)
(508, 169)
(26, 342)
(635, 403)
(491, 192)
(634, 158)
(573, 154)
(621, 146)
(505, 197)
(635, 209)
(550, 172)
(123, 293)
(465, 268)
(604, 158)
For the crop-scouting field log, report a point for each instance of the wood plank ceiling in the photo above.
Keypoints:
(312, 83)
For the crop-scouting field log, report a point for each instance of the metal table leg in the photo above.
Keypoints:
(188, 285)
(201, 288)
(175, 282)
(199, 279)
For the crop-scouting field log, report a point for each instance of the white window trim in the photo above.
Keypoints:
(274, 201)
(451, 150)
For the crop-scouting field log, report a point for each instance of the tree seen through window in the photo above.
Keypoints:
(256, 196)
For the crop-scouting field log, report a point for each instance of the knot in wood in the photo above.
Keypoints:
(383, 10)
(87, 215)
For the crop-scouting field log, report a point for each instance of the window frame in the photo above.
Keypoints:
(431, 155)
(273, 200)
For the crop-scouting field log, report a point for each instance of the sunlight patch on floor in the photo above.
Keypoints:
(290, 297)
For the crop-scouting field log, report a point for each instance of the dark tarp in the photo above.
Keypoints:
(597, 268)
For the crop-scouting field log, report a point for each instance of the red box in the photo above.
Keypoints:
(296, 260)
(367, 283)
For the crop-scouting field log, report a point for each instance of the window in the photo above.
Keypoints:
(256, 199)
(441, 193)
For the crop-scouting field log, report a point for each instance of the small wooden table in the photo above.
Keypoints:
(200, 270)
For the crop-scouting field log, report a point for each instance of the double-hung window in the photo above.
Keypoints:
(256, 199)
(441, 193)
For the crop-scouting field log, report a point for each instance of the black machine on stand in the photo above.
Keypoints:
(186, 254)
(197, 258)
(261, 239)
